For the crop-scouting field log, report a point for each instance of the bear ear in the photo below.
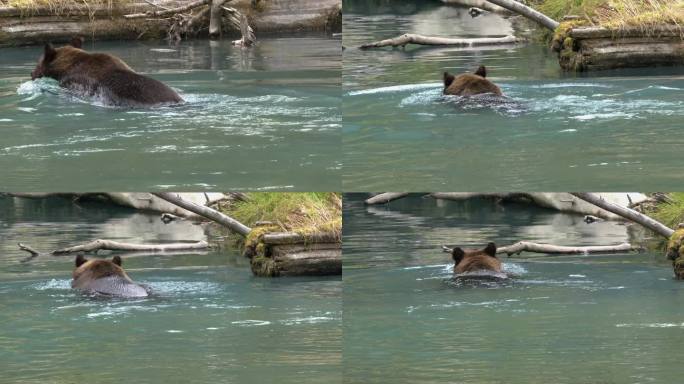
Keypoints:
(80, 259)
(117, 260)
(490, 249)
(77, 42)
(49, 53)
(481, 71)
(457, 254)
(448, 79)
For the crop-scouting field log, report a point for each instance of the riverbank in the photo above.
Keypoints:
(27, 22)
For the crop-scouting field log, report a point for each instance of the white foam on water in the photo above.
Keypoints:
(174, 331)
(251, 323)
(395, 88)
(184, 287)
(651, 325)
(513, 269)
(421, 98)
(162, 50)
(307, 320)
(570, 85)
(53, 284)
(613, 115)
(425, 266)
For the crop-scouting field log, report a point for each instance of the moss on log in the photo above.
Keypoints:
(590, 49)
(675, 252)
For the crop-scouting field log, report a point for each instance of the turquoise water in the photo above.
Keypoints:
(263, 118)
(559, 319)
(557, 132)
(209, 320)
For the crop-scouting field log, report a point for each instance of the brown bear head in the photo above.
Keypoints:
(48, 63)
(469, 84)
(474, 260)
(96, 269)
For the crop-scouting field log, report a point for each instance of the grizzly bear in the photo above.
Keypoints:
(476, 260)
(469, 84)
(105, 277)
(101, 76)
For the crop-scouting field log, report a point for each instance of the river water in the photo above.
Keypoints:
(208, 320)
(555, 132)
(559, 319)
(263, 118)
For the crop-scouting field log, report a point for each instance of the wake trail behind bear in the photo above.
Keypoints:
(102, 76)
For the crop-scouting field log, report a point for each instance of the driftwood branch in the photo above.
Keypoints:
(168, 12)
(532, 14)
(411, 38)
(248, 38)
(110, 245)
(627, 213)
(527, 246)
(207, 212)
(384, 198)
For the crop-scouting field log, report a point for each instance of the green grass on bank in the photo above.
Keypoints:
(301, 212)
(617, 14)
(670, 214)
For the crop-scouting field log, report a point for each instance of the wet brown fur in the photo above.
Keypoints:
(101, 74)
(90, 270)
(469, 84)
(476, 260)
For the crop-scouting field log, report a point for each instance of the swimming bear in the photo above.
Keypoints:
(469, 84)
(106, 278)
(476, 260)
(101, 75)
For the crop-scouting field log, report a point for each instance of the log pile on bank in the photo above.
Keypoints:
(583, 49)
(136, 19)
(274, 254)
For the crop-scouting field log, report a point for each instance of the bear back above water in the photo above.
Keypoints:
(105, 277)
(476, 260)
(102, 76)
(470, 84)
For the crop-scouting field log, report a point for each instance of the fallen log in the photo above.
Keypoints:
(317, 259)
(110, 245)
(530, 13)
(481, 4)
(167, 12)
(527, 246)
(627, 213)
(384, 198)
(73, 9)
(562, 202)
(411, 38)
(588, 49)
(207, 212)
